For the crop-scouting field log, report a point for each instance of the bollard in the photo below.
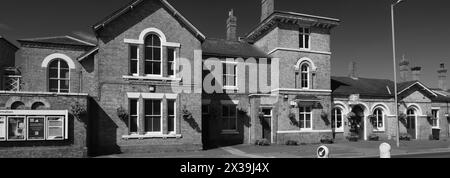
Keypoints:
(385, 150)
(323, 152)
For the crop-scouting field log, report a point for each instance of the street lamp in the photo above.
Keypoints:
(395, 70)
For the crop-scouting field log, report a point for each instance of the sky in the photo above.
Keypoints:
(364, 35)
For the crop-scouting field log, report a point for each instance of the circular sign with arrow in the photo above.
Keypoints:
(323, 152)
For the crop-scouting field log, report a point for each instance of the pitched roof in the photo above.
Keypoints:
(227, 48)
(134, 3)
(363, 86)
(8, 42)
(61, 40)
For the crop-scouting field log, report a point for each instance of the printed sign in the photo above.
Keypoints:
(36, 128)
(2, 128)
(323, 152)
(16, 128)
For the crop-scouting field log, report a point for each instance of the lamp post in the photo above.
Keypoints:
(395, 70)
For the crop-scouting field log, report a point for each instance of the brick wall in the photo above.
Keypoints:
(75, 146)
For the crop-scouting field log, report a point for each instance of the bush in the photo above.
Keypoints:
(353, 137)
(292, 143)
(326, 140)
(373, 137)
(262, 142)
(405, 137)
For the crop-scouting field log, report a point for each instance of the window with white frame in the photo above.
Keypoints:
(12, 82)
(2, 128)
(411, 119)
(304, 76)
(153, 116)
(171, 65)
(134, 60)
(133, 123)
(337, 119)
(304, 38)
(55, 128)
(171, 127)
(305, 117)
(153, 48)
(378, 120)
(435, 119)
(229, 117)
(59, 76)
(229, 75)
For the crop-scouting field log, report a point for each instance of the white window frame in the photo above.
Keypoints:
(236, 75)
(161, 56)
(271, 122)
(229, 117)
(174, 62)
(45, 128)
(174, 116)
(340, 129)
(383, 118)
(437, 118)
(137, 116)
(137, 60)
(160, 117)
(305, 119)
(3, 127)
(48, 137)
(304, 34)
(308, 78)
(59, 79)
(25, 129)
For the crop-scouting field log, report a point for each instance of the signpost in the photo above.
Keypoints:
(323, 152)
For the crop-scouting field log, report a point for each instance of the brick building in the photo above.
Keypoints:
(145, 85)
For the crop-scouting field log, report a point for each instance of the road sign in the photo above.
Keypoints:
(323, 152)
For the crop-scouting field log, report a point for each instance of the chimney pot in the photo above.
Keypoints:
(352, 71)
(416, 73)
(232, 26)
(442, 77)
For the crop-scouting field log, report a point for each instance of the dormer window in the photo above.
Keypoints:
(304, 39)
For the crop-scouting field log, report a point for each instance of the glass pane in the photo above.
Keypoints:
(53, 85)
(308, 124)
(170, 55)
(233, 124)
(301, 30)
(63, 64)
(148, 53)
(64, 84)
(156, 54)
(53, 73)
(148, 67)
(171, 107)
(64, 73)
(225, 111)
(156, 107)
(307, 30)
(301, 41)
(55, 132)
(148, 124)
(133, 107)
(134, 67)
(156, 68)
(148, 107)
(302, 122)
(205, 109)
(156, 41)
(156, 124)
(171, 124)
(133, 52)
(233, 111)
(308, 109)
(133, 124)
(306, 41)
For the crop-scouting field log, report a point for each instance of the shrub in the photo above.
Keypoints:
(292, 143)
(353, 137)
(326, 140)
(405, 137)
(262, 142)
(373, 137)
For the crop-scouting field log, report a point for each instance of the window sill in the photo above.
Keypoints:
(436, 128)
(230, 88)
(140, 137)
(378, 131)
(229, 132)
(129, 77)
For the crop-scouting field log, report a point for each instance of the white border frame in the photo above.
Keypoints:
(25, 131)
(4, 128)
(28, 126)
(226, 87)
(272, 132)
(62, 127)
(161, 132)
(64, 57)
(438, 119)
(343, 111)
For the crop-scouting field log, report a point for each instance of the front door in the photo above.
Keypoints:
(267, 124)
(411, 123)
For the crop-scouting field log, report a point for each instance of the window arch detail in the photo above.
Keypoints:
(64, 57)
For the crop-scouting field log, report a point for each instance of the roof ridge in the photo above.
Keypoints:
(80, 40)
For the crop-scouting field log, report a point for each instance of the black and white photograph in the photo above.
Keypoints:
(224, 79)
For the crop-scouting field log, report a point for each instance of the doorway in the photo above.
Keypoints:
(411, 123)
(266, 122)
(357, 121)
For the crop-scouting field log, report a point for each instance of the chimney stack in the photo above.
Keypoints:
(404, 70)
(232, 26)
(352, 72)
(442, 77)
(416, 73)
(267, 8)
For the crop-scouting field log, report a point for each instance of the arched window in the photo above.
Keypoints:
(38, 106)
(378, 120)
(153, 64)
(411, 119)
(336, 120)
(304, 80)
(17, 105)
(59, 76)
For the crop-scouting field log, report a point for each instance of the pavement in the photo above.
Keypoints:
(343, 149)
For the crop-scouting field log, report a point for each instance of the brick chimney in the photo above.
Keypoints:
(352, 72)
(232, 26)
(416, 73)
(442, 82)
(404, 70)
(267, 8)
